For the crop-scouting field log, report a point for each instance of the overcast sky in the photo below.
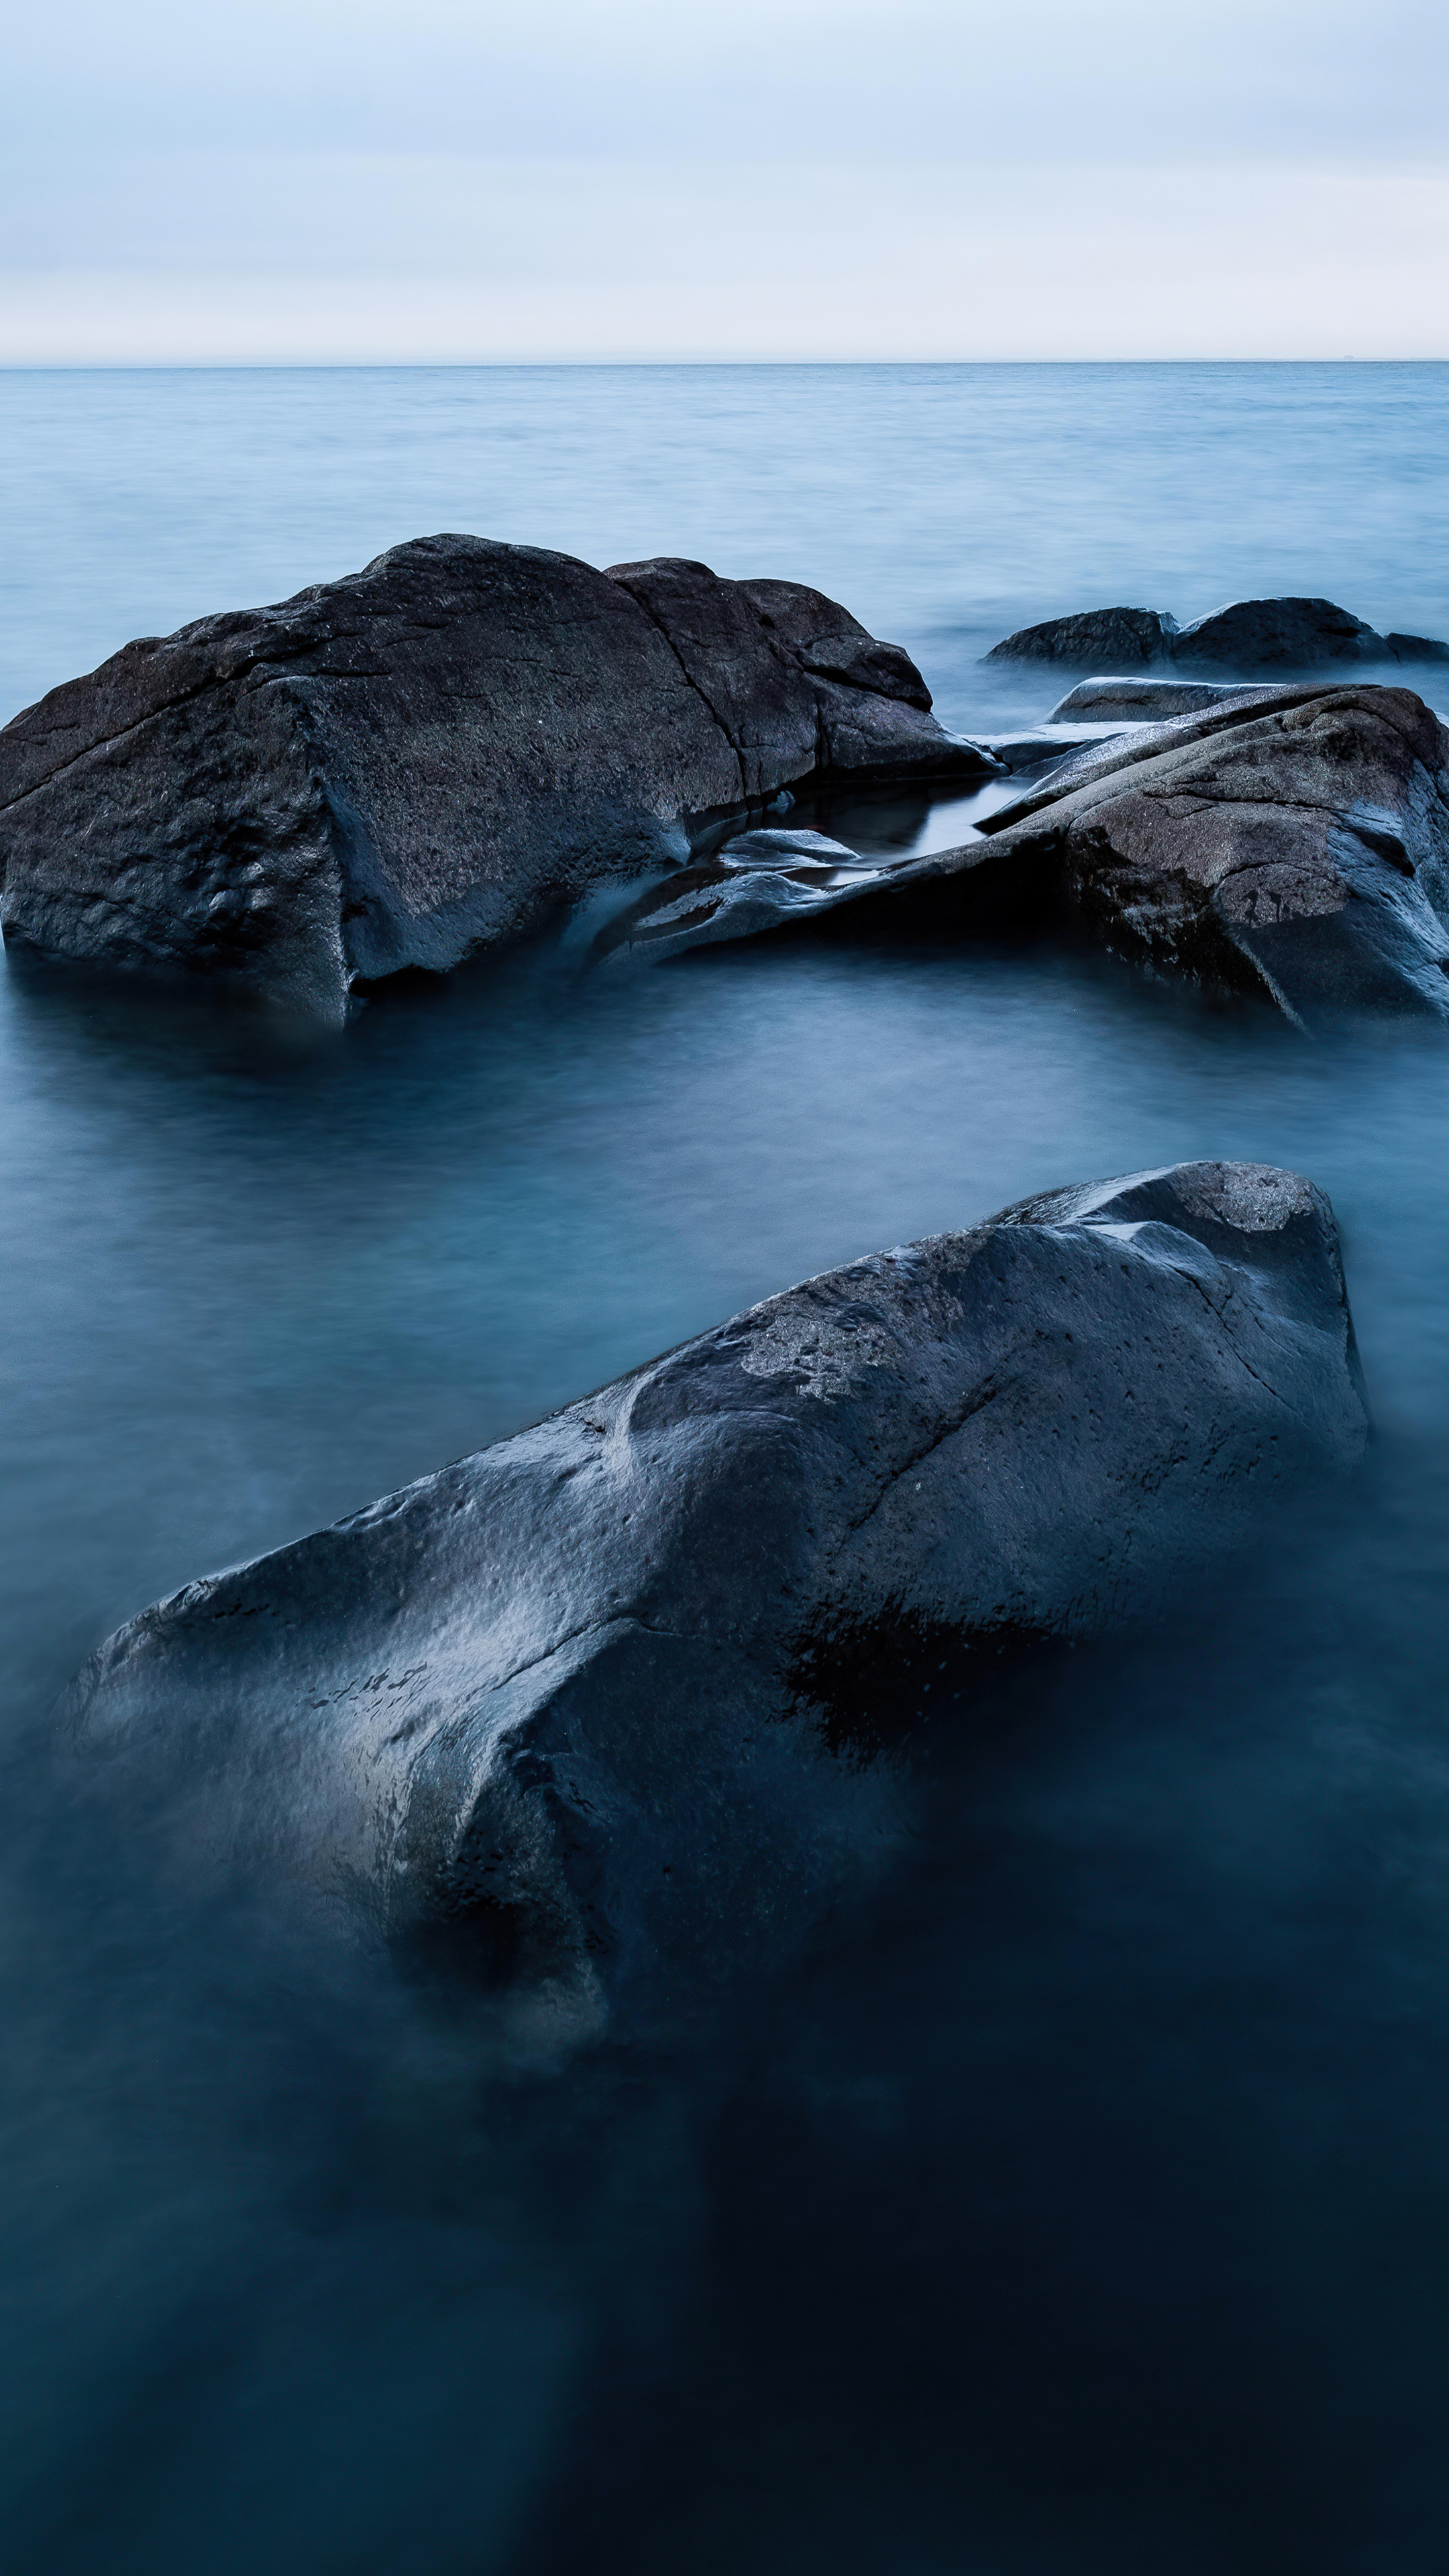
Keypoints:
(399, 179)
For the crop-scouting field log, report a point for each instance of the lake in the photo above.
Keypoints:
(1081, 2201)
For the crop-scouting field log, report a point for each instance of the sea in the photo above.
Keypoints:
(1075, 2200)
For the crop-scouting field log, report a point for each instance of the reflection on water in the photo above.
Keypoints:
(899, 822)
(1079, 2201)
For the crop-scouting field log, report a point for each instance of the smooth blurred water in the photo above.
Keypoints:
(1083, 2203)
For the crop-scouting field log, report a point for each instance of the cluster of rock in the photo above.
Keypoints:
(1249, 635)
(1293, 841)
(424, 759)
(572, 1696)
(580, 1697)
(434, 755)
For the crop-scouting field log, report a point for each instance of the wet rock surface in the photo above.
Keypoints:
(1296, 842)
(1128, 700)
(428, 757)
(594, 1697)
(1289, 840)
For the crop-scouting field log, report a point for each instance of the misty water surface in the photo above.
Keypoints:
(1080, 2199)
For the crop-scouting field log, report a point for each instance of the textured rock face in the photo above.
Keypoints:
(425, 758)
(1297, 840)
(1134, 701)
(1293, 839)
(1111, 639)
(571, 1691)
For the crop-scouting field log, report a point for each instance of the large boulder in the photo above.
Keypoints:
(425, 758)
(1288, 840)
(573, 1696)
(1107, 639)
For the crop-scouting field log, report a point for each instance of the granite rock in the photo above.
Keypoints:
(1296, 843)
(426, 758)
(571, 1698)
(1417, 648)
(1247, 638)
(1291, 840)
(1132, 701)
(1253, 635)
(1121, 639)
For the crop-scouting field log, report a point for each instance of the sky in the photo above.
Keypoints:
(297, 180)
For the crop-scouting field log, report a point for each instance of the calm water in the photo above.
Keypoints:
(1084, 2203)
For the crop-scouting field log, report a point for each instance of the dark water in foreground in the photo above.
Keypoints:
(1080, 2199)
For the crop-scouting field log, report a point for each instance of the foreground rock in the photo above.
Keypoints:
(1292, 841)
(426, 758)
(571, 1693)
(1249, 636)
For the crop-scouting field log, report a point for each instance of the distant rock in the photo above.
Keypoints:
(1109, 638)
(573, 1695)
(1276, 635)
(1416, 648)
(1247, 638)
(426, 758)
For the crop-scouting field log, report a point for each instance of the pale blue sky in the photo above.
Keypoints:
(319, 180)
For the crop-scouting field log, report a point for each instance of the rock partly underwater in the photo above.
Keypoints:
(576, 1698)
(1292, 841)
(1247, 637)
(426, 758)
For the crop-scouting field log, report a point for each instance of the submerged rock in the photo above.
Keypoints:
(572, 1694)
(425, 758)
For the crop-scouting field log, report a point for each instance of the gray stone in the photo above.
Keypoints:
(1292, 840)
(1111, 638)
(426, 758)
(1248, 637)
(1296, 841)
(1417, 648)
(1132, 701)
(1039, 745)
(574, 1696)
(1276, 635)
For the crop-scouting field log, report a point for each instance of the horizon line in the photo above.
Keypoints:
(360, 365)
